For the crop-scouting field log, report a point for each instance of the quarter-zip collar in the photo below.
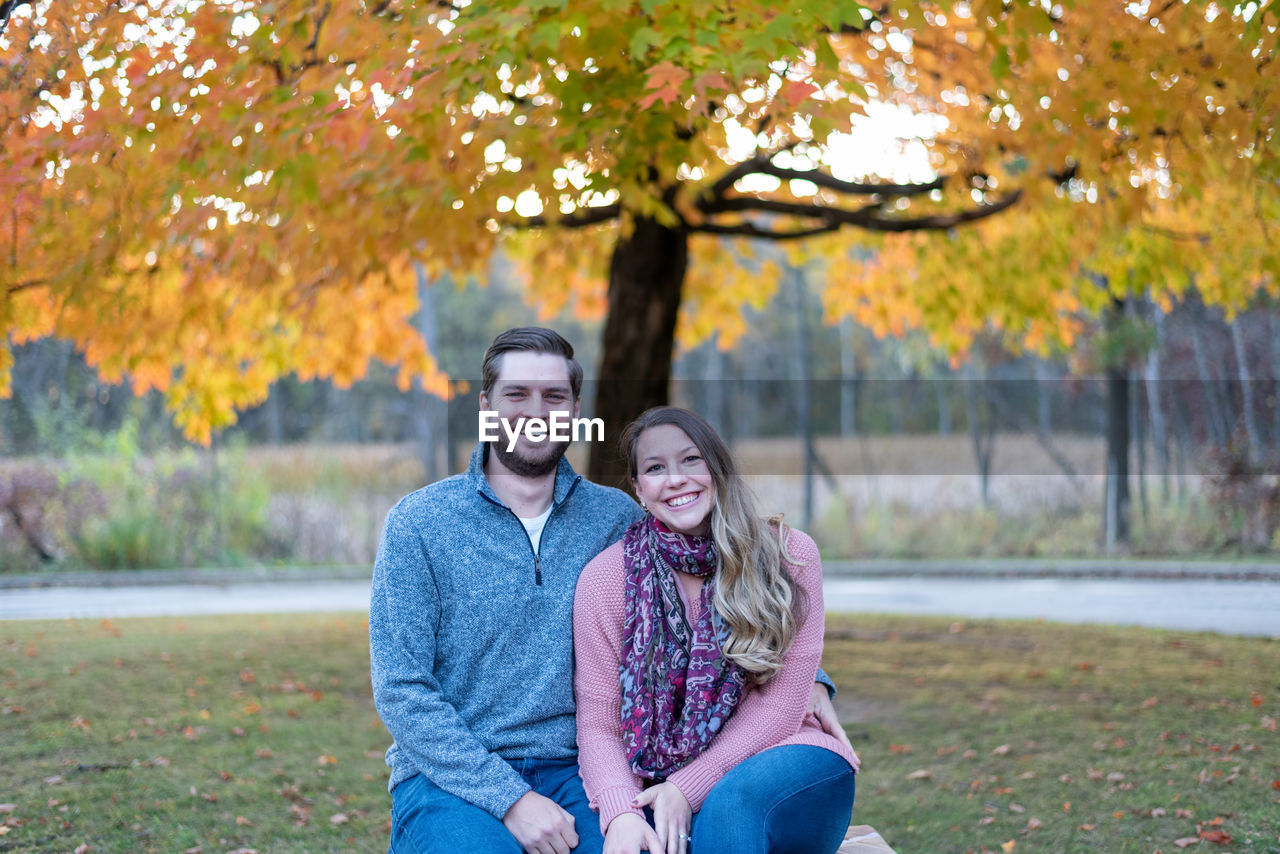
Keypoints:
(566, 478)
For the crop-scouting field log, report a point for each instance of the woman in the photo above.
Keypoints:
(696, 642)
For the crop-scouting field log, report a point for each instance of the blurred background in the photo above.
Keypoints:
(879, 446)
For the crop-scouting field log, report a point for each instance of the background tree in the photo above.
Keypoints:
(208, 196)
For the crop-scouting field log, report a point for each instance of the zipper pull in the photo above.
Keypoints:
(537, 569)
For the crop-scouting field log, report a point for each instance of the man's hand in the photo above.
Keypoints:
(672, 817)
(821, 708)
(628, 833)
(540, 825)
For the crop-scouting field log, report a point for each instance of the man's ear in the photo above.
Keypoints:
(484, 401)
(577, 406)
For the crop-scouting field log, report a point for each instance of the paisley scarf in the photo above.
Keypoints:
(677, 688)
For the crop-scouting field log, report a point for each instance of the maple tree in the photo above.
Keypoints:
(208, 195)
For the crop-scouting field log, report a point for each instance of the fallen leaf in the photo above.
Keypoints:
(1219, 836)
(1118, 815)
(987, 819)
(1034, 824)
(1087, 826)
(969, 754)
(243, 851)
(1181, 813)
(54, 780)
(899, 748)
(1002, 750)
(338, 818)
(8, 808)
(83, 848)
(1095, 774)
(1115, 777)
(1186, 841)
(1149, 702)
(243, 822)
(922, 774)
(1017, 808)
(1158, 812)
(1008, 846)
(325, 759)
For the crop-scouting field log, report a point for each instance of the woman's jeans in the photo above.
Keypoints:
(794, 799)
(426, 819)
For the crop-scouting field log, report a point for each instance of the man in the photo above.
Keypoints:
(470, 631)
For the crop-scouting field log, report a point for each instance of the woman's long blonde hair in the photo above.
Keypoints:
(757, 598)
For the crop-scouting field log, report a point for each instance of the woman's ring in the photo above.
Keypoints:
(684, 835)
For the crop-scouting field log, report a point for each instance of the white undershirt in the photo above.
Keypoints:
(534, 526)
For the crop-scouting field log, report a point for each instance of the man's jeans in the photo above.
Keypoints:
(794, 799)
(426, 819)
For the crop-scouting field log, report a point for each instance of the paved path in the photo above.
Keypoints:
(1234, 607)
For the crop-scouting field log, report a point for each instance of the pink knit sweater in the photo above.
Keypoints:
(770, 715)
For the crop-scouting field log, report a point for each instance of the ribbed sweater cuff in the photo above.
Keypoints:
(694, 782)
(614, 802)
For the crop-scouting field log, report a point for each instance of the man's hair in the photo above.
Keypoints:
(529, 339)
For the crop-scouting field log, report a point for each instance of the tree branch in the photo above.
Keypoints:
(580, 218)
(761, 164)
(871, 217)
(827, 182)
(750, 229)
(7, 8)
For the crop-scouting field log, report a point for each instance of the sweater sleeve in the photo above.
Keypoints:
(767, 714)
(404, 613)
(598, 614)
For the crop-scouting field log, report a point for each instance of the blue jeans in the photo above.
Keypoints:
(426, 819)
(794, 799)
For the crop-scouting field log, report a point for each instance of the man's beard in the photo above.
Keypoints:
(525, 467)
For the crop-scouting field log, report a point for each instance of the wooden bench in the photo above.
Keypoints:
(863, 839)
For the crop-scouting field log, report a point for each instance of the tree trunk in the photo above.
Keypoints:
(982, 430)
(848, 371)
(1117, 455)
(646, 277)
(1155, 404)
(1117, 493)
(1252, 433)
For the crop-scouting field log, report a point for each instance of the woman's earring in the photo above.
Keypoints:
(643, 506)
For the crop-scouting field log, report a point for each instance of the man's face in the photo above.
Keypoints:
(530, 385)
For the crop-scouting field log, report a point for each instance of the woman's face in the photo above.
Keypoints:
(672, 478)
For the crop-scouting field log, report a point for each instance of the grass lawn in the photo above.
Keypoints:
(230, 734)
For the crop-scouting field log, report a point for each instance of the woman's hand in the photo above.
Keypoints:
(628, 833)
(672, 816)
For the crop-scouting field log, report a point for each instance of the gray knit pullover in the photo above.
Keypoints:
(470, 632)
